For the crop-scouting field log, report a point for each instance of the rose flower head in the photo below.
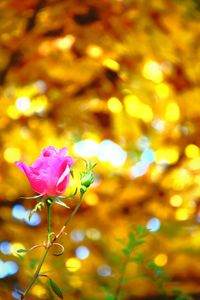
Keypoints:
(49, 174)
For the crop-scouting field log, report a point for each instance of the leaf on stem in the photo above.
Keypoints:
(22, 251)
(38, 206)
(55, 288)
(59, 202)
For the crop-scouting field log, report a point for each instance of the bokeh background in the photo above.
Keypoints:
(117, 82)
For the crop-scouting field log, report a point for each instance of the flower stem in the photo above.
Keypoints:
(49, 242)
(75, 210)
(48, 220)
(36, 274)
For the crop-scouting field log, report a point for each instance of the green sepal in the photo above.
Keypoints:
(33, 197)
(72, 173)
(55, 288)
(59, 202)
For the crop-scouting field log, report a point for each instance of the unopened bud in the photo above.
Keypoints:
(87, 179)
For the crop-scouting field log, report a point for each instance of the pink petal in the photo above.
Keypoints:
(23, 167)
(37, 184)
(50, 151)
(63, 179)
(63, 151)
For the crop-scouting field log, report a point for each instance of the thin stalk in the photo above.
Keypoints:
(48, 221)
(121, 279)
(49, 242)
(69, 219)
(75, 210)
(35, 276)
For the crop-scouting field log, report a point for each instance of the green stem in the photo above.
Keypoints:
(36, 274)
(75, 210)
(48, 220)
(49, 244)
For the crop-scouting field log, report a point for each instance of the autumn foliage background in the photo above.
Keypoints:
(116, 81)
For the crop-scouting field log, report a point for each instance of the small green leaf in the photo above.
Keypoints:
(22, 251)
(55, 288)
(138, 259)
(33, 263)
(126, 251)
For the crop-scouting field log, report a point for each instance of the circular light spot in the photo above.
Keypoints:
(162, 90)
(82, 252)
(11, 268)
(172, 113)
(77, 235)
(5, 248)
(15, 247)
(75, 281)
(176, 200)
(23, 103)
(18, 212)
(92, 199)
(114, 105)
(73, 264)
(93, 234)
(152, 71)
(161, 260)
(35, 219)
(12, 154)
(39, 290)
(182, 214)
(153, 224)
(104, 270)
(94, 51)
(86, 148)
(167, 155)
(192, 151)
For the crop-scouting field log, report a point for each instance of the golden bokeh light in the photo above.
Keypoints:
(167, 155)
(114, 105)
(182, 214)
(92, 199)
(176, 200)
(161, 260)
(172, 113)
(39, 291)
(15, 247)
(12, 154)
(135, 108)
(111, 64)
(192, 151)
(94, 51)
(152, 71)
(162, 90)
(73, 264)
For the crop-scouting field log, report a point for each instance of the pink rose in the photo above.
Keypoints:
(49, 174)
